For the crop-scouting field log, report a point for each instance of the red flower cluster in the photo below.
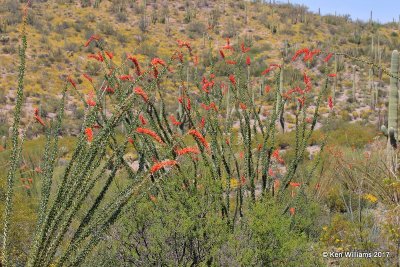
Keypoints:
(71, 81)
(92, 38)
(199, 137)
(142, 119)
(328, 57)
(109, 54)
(159, 165)
(208, 107)
(276, 156)
(136, 63)
(89, 134)
(90, 100)
(186, 150)
(308, 54)
(244, 49)
(307, 82)
(139, 91)
(248, 61)
(330, 102)
(228, 45)
(207, 84)
(185, 44)
(149, 133)
(270, 68)
(232, 79)
(38, 118)
(125, 77)
(174, 120)
(87, 77)
(98, 56)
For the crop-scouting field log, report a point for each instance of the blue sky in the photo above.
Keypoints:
(382, 10)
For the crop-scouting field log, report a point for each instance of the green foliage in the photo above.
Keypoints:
(349, 134)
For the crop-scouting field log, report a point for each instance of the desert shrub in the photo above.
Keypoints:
(196, 28)
(106, 28)
(230, 29)
(121, 17)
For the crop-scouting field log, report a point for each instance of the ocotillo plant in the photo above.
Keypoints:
(73, 216)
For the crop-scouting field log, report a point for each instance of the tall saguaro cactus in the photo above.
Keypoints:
(394, 94)
(393, 111)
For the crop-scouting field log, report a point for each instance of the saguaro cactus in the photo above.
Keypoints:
(354, 85)
(394, 94)
(393, 112)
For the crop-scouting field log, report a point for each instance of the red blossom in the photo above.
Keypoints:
(71, 81)
(130, 140)
(97, 56)
(332, 75)
(38, 118)
(195, 60)
(142, 119)
(300, 52)
(90, 101)
(232, 79)
(301, 101)
(136, 63)
(149, 133)
(310, 55)
(89, 134)
(159, 165)
(199, 137)
(267, 89)
(139, 91)
(125, 77)
(248, 61)
(328, 57)
(242, 180)
(230, 62)
(174, 120)
(222, 54)
(202, 122)
(109, 90)
(88, 77)
(270, 68)
(242, 106)
(330, 102)
(292, 211)
(157, 61)
(275, 155)
(271, 173)
(92, 38)
(186, 44)
(294, 184)
(307, 82)
(109, 54)
(186, 150)
(228, 45)
(244, 49)
(188, 105)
